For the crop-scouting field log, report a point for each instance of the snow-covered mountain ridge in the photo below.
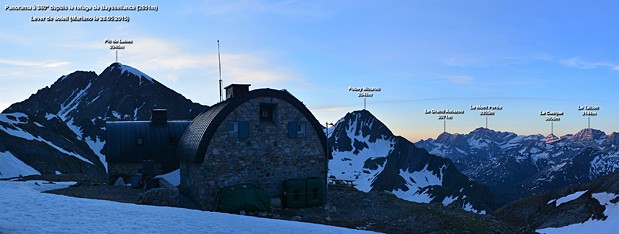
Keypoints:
(515, 166)
(62, 127)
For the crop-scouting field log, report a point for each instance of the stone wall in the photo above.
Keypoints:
(266, 158)
(127, 169)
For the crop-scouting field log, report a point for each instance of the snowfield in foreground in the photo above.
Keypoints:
(610, 225)
(24, 209)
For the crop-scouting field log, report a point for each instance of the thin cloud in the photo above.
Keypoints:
(281, 4)
(463, 61)
(486, 98)
(459, 79)
(171, 61)
(577, 62)
(248, 9)
(334, 108)
(34, 63)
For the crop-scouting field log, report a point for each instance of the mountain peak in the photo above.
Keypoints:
(126, 70)
(588, 135)
(486, 133)
(481, 131)
(445, 137)
(366, 122)
(364, 113)
(551, 138)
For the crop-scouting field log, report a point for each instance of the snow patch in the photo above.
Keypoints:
(49, 116)
(468, 207)
(116, 115)
(11, 166)
(77, 130)
(604, 198)
(97, 146)
(14, 118)
(448, 200)
(567, 198)
(26, 210)
(136, 72)
(135, 112)
(71, 105)
(415, 181)
(18, 132)
(173, 177)
(609, 225)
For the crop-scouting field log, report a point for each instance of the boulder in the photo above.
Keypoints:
(160, 197)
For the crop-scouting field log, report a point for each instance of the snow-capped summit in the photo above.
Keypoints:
(365, 151)
(127, 71)
(69, 117)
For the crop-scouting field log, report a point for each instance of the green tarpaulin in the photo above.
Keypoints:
(246, 197)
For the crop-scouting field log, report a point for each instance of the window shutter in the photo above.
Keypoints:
(292, 129)
(243, 129)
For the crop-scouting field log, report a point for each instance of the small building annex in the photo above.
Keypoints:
(261, 137)
(130, 143)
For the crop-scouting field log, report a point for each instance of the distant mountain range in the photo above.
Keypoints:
(61, 128)
(366, 152)
(516, 166)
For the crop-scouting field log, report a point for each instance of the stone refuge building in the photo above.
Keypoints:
(263, 137)
(130, 143)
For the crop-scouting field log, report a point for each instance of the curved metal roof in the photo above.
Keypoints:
(192, 146)
(121, 140)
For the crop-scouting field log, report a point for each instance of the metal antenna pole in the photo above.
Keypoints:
(221, 97)
(486, 121)
(589, 122)
(116, 55)
(552, 128)
(364, 103)
(444, 125)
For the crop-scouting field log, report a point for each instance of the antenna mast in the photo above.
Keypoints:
(221, 97)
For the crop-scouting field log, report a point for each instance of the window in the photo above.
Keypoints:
(296, 129)
(140, 141)
(233, 129)
(238, 129)
(301, 129)
(267, 111)
(172, 141)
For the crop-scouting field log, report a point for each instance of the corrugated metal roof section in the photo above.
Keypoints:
(190, 141)
(122, 140)
(194, 143)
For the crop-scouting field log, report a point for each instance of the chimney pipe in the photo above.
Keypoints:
(234, 90)
(159, 116)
